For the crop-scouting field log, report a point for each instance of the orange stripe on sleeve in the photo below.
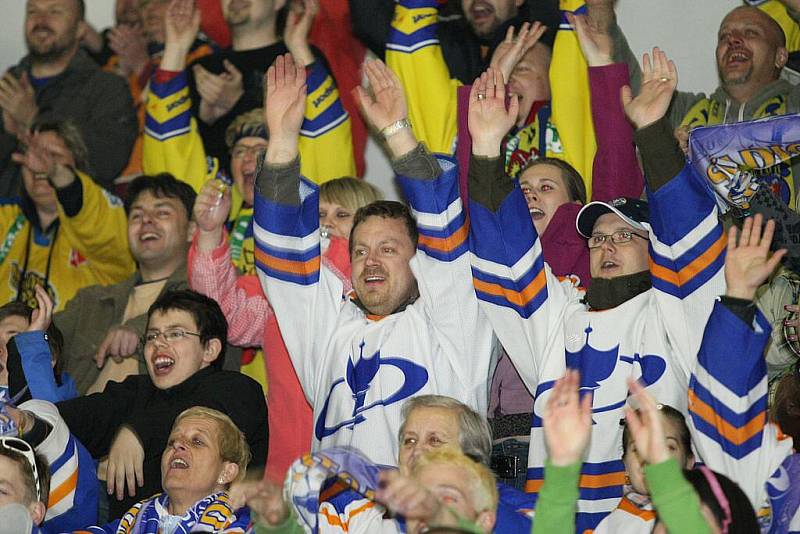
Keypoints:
(736, 435)
(686, 274)
(445, 244)
(520, 298)
(629, 507)
(302, 268)
(63, 489)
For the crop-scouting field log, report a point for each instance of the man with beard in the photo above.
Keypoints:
(57, 80)
(467, 39)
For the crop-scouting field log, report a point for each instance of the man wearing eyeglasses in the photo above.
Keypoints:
(656, 270)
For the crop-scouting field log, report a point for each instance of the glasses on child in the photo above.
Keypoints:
(24, 448)
(170, 335)
(619, 237)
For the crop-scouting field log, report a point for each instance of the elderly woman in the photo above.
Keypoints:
(205, 453)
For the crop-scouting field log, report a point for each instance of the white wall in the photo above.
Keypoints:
(685, 29)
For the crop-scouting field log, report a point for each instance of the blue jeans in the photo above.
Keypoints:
(510, 462)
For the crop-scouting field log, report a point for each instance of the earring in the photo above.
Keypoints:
(220, 481)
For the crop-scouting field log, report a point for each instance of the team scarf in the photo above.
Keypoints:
(241, 242)
(308, 475)
(211, 514)
(537, 139)
(738, 159)
(775, 174)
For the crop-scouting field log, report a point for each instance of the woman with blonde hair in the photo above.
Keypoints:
(206, 452)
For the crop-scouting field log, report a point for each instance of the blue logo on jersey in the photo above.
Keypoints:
(358, 378)
(598, 365)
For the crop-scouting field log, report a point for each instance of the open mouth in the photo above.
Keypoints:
(481, 11)
(178, 463)
(149, 236)
(536, 214)
(608, 265)
(162, 364)
(374, 279)
(737, 57)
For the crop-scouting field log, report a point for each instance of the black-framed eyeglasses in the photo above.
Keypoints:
(24, 448)
(170, 335)
(618, 238)
(240, 151)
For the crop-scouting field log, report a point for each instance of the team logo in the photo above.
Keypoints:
(354, 388)
(597, 366)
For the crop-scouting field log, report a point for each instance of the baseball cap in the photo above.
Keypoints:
(633, 211)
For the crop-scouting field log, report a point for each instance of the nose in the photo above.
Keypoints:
(371, 259)
(179, 445)
(326, 222)
(735, 37)
(608, 244)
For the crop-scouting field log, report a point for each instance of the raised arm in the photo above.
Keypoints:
(728, 388)
(508, 271)
(615, 171)
(287, 229)
(172, 142)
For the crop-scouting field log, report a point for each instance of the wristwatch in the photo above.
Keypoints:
(395, 127)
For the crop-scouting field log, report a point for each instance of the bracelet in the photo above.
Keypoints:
(395, 127)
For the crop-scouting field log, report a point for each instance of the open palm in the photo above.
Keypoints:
(285, 98)
(659, 80)
(748, 263)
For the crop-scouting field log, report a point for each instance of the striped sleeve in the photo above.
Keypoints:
(301, 291)
(442, 268)
(728, 403)
(326, 141)
(73, 498)
(413, 52)
(522, 299)
(687, 256)
(172, 142)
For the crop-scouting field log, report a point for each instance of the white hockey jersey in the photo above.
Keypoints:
(729, 421)
(545, 327)
(357, 370)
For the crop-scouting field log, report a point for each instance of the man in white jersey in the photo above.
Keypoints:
(634, 320)
(413, 325)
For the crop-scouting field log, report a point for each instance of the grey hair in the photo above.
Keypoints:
(474, 434)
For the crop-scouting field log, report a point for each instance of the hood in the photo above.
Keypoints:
(734, 111)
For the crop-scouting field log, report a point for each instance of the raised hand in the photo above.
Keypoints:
(298, 25)
(42, 316)
(181, 24)
(384, 106)
(659, 80)
(46, 161)
(284, 107)
(510, 51)
(18, 101)
(489, 120)
(211, 210)
(747, 262)
(218, 92)
(125, 461)
(130, 46)
(646, 426)
(595, 41)
(567, 421)
(387, 103)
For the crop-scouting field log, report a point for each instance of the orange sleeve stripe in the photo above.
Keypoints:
(697, 266)
(736, 435)
(445, 244)
(302, 268)
(629, 507)
(519, 298)
(63, 489)
(616, 478)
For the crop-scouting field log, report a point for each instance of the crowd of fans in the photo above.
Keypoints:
(584, 317)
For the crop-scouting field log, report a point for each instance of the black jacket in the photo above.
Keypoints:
(98, 103)
(150, 412)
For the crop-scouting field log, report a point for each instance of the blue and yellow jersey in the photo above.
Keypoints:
(88, 248)
(173, 144)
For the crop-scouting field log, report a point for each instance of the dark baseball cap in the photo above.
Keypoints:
(633, 211)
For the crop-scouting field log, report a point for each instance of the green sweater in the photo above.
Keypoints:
(674, 499)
